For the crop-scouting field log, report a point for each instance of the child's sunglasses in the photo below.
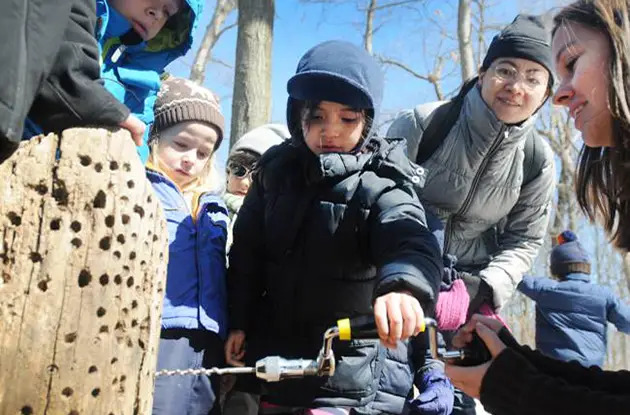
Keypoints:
(240, 171)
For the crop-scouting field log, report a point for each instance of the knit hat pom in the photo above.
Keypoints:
(566, 236)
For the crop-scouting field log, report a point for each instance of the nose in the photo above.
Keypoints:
(154, 13)
(511, 85)
(563, 95)
(331, 128)
(245, 183)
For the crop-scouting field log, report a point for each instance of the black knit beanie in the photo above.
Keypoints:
(527, 37)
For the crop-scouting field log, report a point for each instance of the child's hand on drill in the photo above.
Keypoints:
(398, 316)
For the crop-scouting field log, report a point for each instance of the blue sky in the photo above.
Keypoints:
(413, 36)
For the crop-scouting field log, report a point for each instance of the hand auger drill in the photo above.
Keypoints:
(276, 368)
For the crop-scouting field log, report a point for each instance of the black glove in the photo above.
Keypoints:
(478, 289)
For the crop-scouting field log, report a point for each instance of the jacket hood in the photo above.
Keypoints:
(176, 35)
(336, 71)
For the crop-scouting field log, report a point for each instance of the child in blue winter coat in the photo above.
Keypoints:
(572, 313)
(330, 228)
(138, 38)
(187, 131)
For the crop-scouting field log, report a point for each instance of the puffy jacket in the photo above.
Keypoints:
(494, 225)
(195, 296)
(50, 70)
(131, 72)
(318, 238)
(572, 317)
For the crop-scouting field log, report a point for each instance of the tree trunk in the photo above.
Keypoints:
(251, 103)
(369, 26)
(83, 250)
(464, 29)
(214, 30)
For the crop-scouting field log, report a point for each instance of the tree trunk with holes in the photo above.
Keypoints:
(83, 251)
(251, 102)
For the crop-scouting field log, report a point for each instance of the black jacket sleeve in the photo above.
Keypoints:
(406, 253)
(245, 273)
(73, 94)
(523, 381)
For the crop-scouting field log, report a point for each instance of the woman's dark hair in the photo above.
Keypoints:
(603, 173)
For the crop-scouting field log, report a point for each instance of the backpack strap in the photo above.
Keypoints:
(441, 123)
(533, 160)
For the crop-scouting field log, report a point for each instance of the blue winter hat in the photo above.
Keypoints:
(569, 256)
(336, 71)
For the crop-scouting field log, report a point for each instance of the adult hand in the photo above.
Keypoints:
(398, 316)
(235, 348)
(469, 379)
(135, 127)
(465, 333)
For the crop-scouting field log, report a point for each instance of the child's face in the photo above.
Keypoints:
(239, 179)
(333, 128)
(184, 150)
(147, 17)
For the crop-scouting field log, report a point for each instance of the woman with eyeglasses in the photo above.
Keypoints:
(490, 176)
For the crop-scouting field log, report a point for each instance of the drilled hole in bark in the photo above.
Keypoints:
(73, 412)
(149, 199)
(117, 279)
(132, 255)
(109, 221)
(76, 242)
(125, 219)
(155, 238)
(123, 378)
(16, 220)
(121, 239)
(100, 200)
(26, 410)
(105, 243)
(35, 257)
(141, 344)
(103, 279)
(41, 188)
(98, 167)
(85, 160)
(130, 184)
(67, 392)
(55, 224)
(96, 392)
(134, 322)
(129, 343)
(127, 167)
(139, 210)
(130, 282)
(134, 235)
(114, 381)
(84, 278)
(43, 285)
(75, 226)
(117, 254)
(92, 369)
(113, 165)
(134, 304)
(60, 193)
(100, 312)
(70, 337)
(114, 360)
(103, 329)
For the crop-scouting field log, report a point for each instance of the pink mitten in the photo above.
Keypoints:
(452, 306)
(488, 311)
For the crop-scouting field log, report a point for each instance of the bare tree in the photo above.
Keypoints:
(251, 103)
(214, 30)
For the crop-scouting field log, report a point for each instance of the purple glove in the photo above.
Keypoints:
(452, 306)
(436, 394)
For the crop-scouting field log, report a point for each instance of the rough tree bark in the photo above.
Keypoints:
(214, 30)
(83, 249)
(251, 102)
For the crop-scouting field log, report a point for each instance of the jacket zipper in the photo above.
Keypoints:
(449, 223)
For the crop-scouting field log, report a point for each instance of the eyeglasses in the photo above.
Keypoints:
(240, 171)
(530, 81)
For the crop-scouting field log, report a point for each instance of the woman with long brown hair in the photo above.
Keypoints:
(591, 50)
